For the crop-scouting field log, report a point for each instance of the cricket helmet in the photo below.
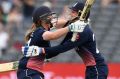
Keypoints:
(41, 13)
(78, 6)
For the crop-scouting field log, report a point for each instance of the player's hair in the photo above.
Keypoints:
(29, 32)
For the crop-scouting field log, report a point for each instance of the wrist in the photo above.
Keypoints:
(69, 28)
(43, 50)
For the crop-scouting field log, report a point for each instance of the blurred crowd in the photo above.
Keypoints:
(12, 15)
(15, 18)
(106, 3)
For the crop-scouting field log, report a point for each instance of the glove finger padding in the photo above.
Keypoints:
(77, 26)
(30, 51)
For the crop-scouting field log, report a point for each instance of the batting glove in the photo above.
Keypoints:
(31, 51)
(77, 26)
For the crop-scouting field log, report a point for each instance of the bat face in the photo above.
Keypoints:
(15, 65)
(86, 9)
(90, 2)
(9, 66)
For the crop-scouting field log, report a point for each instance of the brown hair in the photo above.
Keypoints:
(29, 32)
(32, 29)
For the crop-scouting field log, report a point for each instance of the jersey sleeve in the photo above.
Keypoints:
(38, 34)
(38, 40)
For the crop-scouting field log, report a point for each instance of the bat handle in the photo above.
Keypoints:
(74, 36)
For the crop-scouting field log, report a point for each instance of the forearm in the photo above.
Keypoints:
(53, 51)
(77, 26)
(56, 34)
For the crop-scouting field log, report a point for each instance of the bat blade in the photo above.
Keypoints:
(83, 15)
(4, 67)
(86, 9)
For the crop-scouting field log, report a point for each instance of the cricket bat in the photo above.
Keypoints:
(83, 15)
(4, 67)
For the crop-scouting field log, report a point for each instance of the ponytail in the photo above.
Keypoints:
(29, 32)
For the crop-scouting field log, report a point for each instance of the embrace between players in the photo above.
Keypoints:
(37, 47)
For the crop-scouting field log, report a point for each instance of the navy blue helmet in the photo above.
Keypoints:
(41, 13)
(79, 6)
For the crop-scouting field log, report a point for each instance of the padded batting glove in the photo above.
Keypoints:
(77, 26)
(31, 51)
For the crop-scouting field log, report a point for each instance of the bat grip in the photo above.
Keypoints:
(74, 36)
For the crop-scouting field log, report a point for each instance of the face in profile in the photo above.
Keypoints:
(50, 20)
(73, 14)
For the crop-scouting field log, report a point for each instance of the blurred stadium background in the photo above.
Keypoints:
(15, 19)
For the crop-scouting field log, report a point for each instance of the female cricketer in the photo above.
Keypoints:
(39, 35)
